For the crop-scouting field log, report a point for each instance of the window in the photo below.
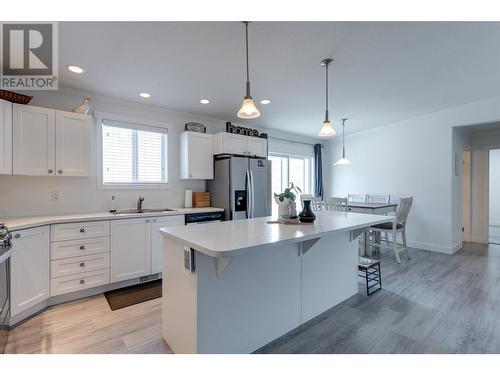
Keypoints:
(291, 168)
(133, 154)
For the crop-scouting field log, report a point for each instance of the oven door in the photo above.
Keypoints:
(4, 301)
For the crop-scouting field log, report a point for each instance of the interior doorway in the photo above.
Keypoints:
(494, 196)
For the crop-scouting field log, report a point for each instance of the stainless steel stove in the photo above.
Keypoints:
(5, 252)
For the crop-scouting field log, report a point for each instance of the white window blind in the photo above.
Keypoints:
(133, 154)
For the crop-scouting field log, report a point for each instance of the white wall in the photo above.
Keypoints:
(494, 189)
(30, 195)
(412, 158)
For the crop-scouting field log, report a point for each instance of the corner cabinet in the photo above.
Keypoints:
(228, 143)
(196, 156)
(47, 142)
(29, 268)
(5, 137)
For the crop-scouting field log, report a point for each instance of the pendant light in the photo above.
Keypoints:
(326, 129)
(248, 110)
(343, 160)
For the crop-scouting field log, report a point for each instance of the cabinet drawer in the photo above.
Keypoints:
(73, 283)
(67, 249)
(73, 231)
(78, 265)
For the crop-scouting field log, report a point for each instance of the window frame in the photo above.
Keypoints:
(295, 156)
(139, 124)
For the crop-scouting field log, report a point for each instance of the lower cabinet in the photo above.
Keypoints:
(156, 249)
(130, 248)
(29, 268)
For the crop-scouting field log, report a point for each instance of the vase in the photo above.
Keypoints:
(285, 207)
(307, 215)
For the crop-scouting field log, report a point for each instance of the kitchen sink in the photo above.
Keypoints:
(143, 211)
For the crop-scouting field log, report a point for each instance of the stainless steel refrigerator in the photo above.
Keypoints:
(242, 186)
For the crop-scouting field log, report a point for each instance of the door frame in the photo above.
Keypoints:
(466, 195)
(486, 198)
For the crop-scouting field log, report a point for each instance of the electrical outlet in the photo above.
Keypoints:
(55, 195)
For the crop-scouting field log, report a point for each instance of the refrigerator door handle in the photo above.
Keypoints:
(248, 194)
(252, 193)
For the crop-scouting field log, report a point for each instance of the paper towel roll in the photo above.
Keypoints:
(188, 198)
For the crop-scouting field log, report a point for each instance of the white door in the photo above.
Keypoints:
(256, 146)
(200, 156)
(130, 248)
(5, 137)
(73, 144)
(33, 140)
(29, 268)
(156, 249)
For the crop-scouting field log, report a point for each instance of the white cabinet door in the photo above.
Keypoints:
(227, 143)
(256, 146)
(130, 248)
(33, 140)
(196, 156)
(29, 268)
(5, 137)
(73, 144)
(156, 249)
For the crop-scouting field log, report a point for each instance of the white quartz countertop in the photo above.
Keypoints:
(230, 238)
(16, 223)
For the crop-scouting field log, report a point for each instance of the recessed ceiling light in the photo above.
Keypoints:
(265, 101)
(145, 94)
(75, 69)
(205, 101)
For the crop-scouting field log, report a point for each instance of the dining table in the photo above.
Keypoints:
(371, 208)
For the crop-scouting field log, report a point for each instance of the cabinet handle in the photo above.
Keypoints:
(82, 230)
(82, 264)
(51, 171)
(82, 281)
(60, 171)
(17, 235)
(82, 247)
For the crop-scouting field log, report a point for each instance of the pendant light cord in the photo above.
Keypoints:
(248, 96)
(343, 137)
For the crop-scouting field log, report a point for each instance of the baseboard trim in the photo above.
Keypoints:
(437, 248)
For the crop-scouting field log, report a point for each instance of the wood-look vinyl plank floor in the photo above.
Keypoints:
(432, 303)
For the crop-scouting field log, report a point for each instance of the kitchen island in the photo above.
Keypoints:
(234, 286)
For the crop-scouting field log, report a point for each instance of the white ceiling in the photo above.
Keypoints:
(383, 71)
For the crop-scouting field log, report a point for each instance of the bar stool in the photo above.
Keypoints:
(369, 269)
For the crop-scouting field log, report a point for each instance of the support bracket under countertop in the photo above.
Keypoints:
(354, 234)
(220, 265)
(305, 246)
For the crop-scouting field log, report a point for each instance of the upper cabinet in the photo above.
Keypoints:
(47, 142)
(196, 151)
(34, 137)
(73, 144)
(5, 137)
(227, 143)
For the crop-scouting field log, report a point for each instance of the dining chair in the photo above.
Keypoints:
(336, 204)
(357, 198)
(378, 198)
(393, 228)
(316, 203)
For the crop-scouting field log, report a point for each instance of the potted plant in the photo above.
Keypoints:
(286, 202)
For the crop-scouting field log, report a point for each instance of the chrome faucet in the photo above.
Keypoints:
(139, 203)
